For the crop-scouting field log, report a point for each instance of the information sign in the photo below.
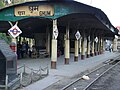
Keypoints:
(77, 35)
(96, 39)
(14, 31)
(55, 32)
(34, 10)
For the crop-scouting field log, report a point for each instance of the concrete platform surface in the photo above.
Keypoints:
(62, 71)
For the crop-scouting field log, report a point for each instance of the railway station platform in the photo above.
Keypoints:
(63, 71)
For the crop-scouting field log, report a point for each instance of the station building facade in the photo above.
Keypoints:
(68, 26)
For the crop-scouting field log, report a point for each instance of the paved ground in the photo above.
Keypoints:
(62, 70)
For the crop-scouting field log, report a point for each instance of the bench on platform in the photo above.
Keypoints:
(43, 53)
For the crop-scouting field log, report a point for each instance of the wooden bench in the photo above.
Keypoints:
(43, 53)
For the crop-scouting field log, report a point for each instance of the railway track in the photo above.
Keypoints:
(95, 75)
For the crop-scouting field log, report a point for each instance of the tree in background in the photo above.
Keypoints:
(7, 2)
(2, 4)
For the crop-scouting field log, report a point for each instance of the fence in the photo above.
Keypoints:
(29, 75)
(26, 76)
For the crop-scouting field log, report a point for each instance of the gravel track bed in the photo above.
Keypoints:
(110, 80)
(80, 84)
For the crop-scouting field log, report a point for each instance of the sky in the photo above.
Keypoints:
(110, 7)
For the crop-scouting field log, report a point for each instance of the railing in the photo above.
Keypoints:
(26, 76)
(29, 75)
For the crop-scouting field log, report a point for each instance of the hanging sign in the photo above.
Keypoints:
(55, 32)
(34, 10)
(96, 39)
(116, 36)
(14, 31)
(77, 35)
(88, 38)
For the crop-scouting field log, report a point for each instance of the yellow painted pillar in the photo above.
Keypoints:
(17, 39)
(93, 46)
(83, 48)
(80, 45)
(101, 49)
(76, 51)
(67, 46)
(33, 41)
(103, 42)
(77, 35)
(88, 48)
(30, 43)
(54, 45)
(95, 53)
(98, 45)
(115, 45)
(20, 39)
(54, 54)
(67, 51)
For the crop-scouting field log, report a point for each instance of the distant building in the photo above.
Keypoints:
(7, 2)
(118, 27)
(118, 43)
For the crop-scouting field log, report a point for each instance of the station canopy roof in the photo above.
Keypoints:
(39, 13)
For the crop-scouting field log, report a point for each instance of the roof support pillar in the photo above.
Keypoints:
(96, 46)
(67, 46)
(96, 49)
(83, 46)
(30, 43)
(54, 47)
(88, 47)
(102, 45)
(99, 43)
(115, 45)
(92, 53)
(80, 45)
(76, 51)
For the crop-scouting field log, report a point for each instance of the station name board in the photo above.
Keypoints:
(34, 10)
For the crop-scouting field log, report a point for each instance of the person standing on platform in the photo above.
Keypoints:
(27, 47)
(110, 48)
(23, 52)
(19, 48)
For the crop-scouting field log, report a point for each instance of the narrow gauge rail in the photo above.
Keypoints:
(104, 81)
(81, 84)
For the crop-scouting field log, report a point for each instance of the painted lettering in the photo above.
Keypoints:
(21, 13)
(33, 8)
(45, 13)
